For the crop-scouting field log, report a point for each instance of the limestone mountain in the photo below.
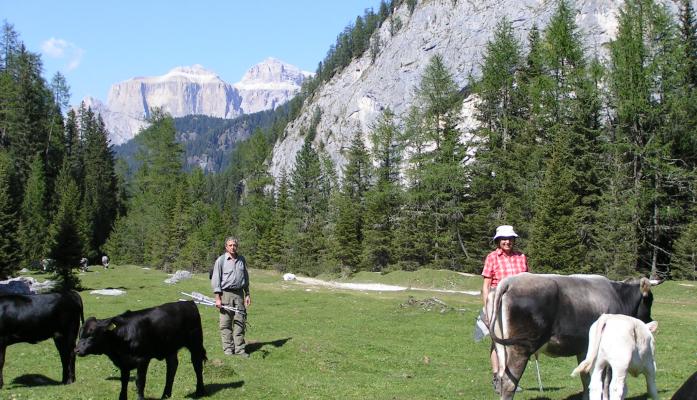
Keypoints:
(195, 90)
(404, 44)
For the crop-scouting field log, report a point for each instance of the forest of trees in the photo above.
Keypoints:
(58, 186)
(592, 161)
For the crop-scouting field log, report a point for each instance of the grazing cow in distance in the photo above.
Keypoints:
(552, 314)
(625, 344)
(37, 317)
(134, 338)
(688, 390)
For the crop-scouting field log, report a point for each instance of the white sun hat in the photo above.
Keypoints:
(505, 231)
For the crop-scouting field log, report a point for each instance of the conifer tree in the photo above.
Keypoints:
(9, 254)
(138, 236)
(99, 185)
(644, 60)
(570, 114)
(276, 241)
(684, 261)
(555, 223)
(437, 186)
(67, 243)
(494, 178)
(350, 206)
(306, 197)
(33, 226)
(383, 199)
(255, 216)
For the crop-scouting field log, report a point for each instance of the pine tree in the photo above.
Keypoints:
(274, 241)
(684, 261)
(644, 86)
(554, 245)
(383, 199)
(436, 188)
(67, 243)
(34, 222)
(99, 184)
(255, 215)
(350, 206)
(570, 116)
(9, 254)
(495, 177)
(138, 236)
(309, 205)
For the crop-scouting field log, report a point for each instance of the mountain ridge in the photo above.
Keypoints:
(195, 90)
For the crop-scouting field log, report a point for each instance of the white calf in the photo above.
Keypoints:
(625, 344)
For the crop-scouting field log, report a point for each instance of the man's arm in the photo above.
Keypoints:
(215, 282)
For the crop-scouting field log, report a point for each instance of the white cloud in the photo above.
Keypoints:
(64, 50)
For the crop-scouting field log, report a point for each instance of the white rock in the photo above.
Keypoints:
(288, 277)
(109, 292)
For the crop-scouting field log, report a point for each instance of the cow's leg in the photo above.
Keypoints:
(172, 364)
(67, 355)
(125, 374)
(607, 377)
(618, 386)
(516, 361)
(650, 374)
(197, 357)
(585, 378)
(3, 347)
(596, 387)
(141, 378)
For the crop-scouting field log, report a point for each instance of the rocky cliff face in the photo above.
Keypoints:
(195, 91)
(457, 30)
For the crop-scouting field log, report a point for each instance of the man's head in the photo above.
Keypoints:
(505, 237)
(231, 244)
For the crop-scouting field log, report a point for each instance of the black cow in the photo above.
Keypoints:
(552, 314)
(133, 338)
(37, 317)
(688, 390)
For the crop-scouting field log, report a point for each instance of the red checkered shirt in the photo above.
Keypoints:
(498, 265)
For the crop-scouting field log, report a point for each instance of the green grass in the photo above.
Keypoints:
(319, 343)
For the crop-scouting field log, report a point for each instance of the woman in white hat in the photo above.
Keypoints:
(500, 263)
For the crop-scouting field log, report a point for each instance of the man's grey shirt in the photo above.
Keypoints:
(230, 274)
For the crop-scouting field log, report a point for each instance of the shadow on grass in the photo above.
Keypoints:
(34, 380)
(579, 396)
(213, 388)
(253, 347)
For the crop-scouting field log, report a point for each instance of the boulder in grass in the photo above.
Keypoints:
(179, 276)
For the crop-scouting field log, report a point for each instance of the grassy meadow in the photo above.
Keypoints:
(320, 343)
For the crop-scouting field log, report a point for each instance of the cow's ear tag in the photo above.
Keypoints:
(111, 327)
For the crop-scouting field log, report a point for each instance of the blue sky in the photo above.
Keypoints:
(97, 43)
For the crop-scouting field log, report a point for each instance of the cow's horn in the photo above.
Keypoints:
(644, 286)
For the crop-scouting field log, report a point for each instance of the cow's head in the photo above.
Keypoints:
(93, 336)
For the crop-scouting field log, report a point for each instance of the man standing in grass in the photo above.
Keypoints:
(500, 263)
(230, 283)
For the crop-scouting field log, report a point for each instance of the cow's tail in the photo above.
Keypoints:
(593, 346)
(497, 317)
(78, 300)
(496, 312)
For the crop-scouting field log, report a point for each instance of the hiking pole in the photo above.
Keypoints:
(207, 301)
(537, 364)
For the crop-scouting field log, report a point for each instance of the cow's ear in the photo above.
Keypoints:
(653, 326)
(111, 326)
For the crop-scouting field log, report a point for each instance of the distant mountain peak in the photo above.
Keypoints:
(272, 74)
(192, 90)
